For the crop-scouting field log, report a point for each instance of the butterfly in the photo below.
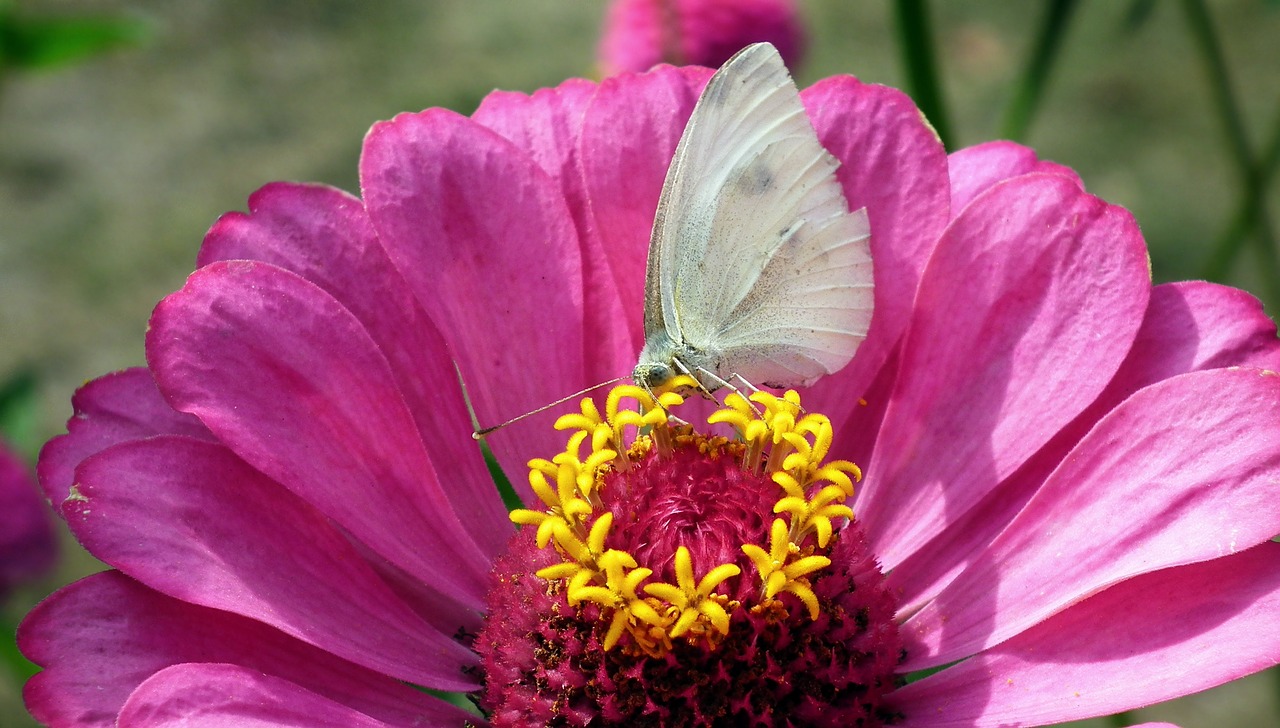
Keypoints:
(757, 269)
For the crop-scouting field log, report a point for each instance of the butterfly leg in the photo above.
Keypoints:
(719, 384)
(745, 383)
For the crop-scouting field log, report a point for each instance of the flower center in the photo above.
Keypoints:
(680, 578)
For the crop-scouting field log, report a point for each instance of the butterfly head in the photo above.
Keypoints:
(652, 374)
(662, 360)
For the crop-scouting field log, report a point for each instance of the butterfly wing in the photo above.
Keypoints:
(755, 257)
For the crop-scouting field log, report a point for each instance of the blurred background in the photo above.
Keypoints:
(114, 163)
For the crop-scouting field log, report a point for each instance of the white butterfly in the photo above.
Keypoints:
(757, 268)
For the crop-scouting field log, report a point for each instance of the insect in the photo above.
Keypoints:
(757, 269)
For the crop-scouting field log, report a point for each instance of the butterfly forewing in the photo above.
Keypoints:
(755, 255)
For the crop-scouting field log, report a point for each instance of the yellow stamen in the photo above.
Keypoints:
(779, 440)
(693, 600)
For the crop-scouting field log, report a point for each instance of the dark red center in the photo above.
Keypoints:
(544, 663)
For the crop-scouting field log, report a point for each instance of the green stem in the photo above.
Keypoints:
(916, 41)
(1035, 75)
(1206, 39)
(1265, 249)
(1251, 174)
(1232, 239)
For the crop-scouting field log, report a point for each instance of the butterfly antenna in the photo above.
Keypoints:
(478, 433)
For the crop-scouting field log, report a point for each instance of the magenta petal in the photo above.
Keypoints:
(212, 695)
(629, 134)
(990, 372)
(639, 34)
(1183, 471)
(27, 548)
(291, 382)
(110, 409)
(100, 637)
(191, 520)
(548, 126)
(1195, 325)
(1189, 326)
(893, 164)
(973, 170)
(323, 235)
(488, 245)
(1142, 641)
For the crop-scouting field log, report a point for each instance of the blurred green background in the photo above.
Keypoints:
(112, 169)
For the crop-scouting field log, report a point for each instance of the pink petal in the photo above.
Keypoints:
(1142, 641)
(1184, 471)
(1030, 302)
(113, 408)
(1189, 326)
(629, 134)
(712, 31)
(191, 520)
(632, 38)
(973, 170)
(291, 382)
(487, 243)
(217, 694)
(863, 416)
(100, 637)
(27, 548)
(893, 164)
(324, 236)
(639, 34)
(548, 126)
(1198, 325)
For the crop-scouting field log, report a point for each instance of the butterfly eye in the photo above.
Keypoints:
(652, 374)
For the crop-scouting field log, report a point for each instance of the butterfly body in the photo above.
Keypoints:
(756, 268)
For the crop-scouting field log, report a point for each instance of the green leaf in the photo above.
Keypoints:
(13, 666)
(18, 411)
(510, 498)
(1139, 13)
(28, 43)
(458, 700)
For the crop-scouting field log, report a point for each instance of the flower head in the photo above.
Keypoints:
(1063, 493)
(640, 34)
(675, 581)
(27, 547)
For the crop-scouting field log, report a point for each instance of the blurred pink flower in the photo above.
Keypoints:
(1069, 473)
(27, 546)
(640, 34)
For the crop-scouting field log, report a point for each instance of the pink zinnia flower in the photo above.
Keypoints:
(1069, 483)
(639, 34)
(27, 546)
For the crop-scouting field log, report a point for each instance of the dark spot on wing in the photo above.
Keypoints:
(755, 180)
(787, 233)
